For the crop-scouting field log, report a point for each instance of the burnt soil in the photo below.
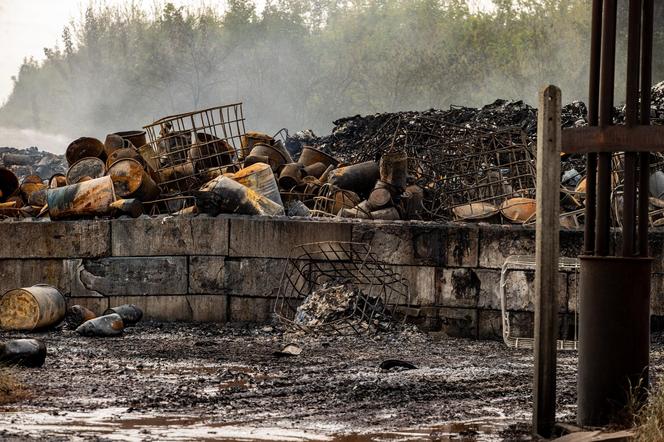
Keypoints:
(164, 381)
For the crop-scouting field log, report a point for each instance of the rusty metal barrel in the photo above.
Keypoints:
(310, 156)
(130, 180)
(31, 308)
(394, 169)
(124, 153)
(260, 178)
(88, 198)
(290, 176)
(8, 183)
(103, 326)
(275, 157)
(57, 180)
(91, 167)
(23, 352)
(85, 147)
(360, 178)
(135, 137)
(115, 142)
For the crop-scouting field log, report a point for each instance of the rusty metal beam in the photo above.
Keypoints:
(613, 139)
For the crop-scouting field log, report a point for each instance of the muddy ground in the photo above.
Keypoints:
(191, 381)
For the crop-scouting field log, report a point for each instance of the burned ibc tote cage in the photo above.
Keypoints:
(187, 150)
(614, 321)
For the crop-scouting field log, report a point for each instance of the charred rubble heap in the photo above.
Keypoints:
(456, 164)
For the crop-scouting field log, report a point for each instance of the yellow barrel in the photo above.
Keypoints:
(30, 308)
(260, 178)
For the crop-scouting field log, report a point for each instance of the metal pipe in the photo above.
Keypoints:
(632, 118)
(593, 101)
(606, 86)
(644, 158)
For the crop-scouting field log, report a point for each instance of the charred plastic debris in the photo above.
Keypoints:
(43, 307)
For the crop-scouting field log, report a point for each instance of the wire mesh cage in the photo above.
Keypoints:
(187, 150)
(480, 175)
(340, 288)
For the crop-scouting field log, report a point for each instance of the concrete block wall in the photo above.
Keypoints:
(227, 268)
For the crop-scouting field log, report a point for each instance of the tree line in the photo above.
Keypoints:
(301, 63)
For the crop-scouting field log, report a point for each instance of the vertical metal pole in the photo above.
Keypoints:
(644, 158)
(632, 119)
(547, 250)
(593, 120)
(607, 80)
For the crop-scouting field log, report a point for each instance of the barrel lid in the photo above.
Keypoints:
(127, 176)
(90, 166)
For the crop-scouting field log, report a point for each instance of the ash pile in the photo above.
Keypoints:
(340, 288)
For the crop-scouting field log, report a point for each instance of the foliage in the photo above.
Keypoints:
(298, 63)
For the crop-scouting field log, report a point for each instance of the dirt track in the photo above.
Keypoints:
(186, 381)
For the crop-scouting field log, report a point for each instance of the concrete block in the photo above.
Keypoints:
(96, 304)
(497, 242)
(17, 273)
(206, 275)
(421, 283)
(175, 235)
(198, 308)
(457, 287)
(459, 322)
(420, 243)
(253, 276)
(519, 290)
(250, 310)
(427, 319)
(61, 239)
(264, 237)
(129, 276)
(490, 324)
(489, 296)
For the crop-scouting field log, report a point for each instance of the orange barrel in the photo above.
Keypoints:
(260, 178)
(85, 147)
(130, 180)
(311, 156)
(87, 198)
(92, 167)
(8, 183)
(31, 308)
(124, 153)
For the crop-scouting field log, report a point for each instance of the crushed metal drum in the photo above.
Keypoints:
(129, 313)
(77, 315)
(131, 207)
(224, 195)
(31, 308)
(103, 326)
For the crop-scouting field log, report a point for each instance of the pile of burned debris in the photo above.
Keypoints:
(463, 164)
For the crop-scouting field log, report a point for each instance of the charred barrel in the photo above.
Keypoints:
(31, 308)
